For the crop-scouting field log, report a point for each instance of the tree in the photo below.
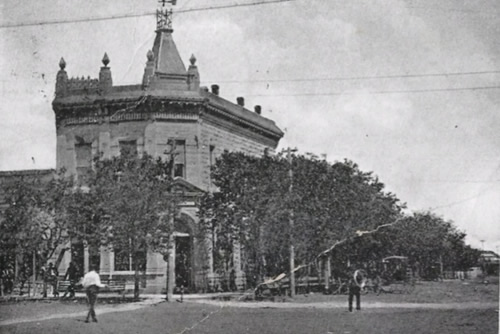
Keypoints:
(254, 205)
(431, 243)
(35, 222)
(127, 204)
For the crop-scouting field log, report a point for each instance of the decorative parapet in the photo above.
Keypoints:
(82, 84)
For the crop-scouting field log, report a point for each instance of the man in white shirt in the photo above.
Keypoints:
(91, 283)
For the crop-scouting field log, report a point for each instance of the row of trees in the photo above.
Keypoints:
(263, 203)
(124, 202)
(267, 203)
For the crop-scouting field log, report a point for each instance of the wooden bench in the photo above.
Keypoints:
(114, 286)
(111, 286)
(62, 286)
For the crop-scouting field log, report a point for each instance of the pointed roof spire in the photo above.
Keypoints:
(165, 53)
(150, 55)
(166, 56)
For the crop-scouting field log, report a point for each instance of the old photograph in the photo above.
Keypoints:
(250, 166)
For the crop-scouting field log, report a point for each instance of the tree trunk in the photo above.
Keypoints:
(171, 268)
(135, 260)
(136, 277)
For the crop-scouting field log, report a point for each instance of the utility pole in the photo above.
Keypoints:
(291, 224)
(171, 262)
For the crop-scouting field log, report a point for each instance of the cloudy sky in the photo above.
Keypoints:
(408, 89)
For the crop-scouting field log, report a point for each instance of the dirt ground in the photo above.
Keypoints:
(434, 307)
(453, 291)
(197, 318)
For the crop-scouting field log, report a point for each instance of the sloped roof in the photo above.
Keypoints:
(166, 55)
(242, 113)
(181, 186)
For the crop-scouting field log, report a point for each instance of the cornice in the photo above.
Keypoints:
(149, 107)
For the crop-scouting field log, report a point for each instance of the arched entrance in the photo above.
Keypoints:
(184, 249)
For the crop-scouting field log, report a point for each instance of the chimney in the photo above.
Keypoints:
(215, 89)
(258, 109)
(241, 101)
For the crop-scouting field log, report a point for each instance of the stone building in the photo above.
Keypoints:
(167, 111)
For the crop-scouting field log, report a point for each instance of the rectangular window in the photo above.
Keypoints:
(124, 261)
(177, 147)
(128, 148)
(83, 153)
(211, 155)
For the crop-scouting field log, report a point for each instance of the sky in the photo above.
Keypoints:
(407, 89)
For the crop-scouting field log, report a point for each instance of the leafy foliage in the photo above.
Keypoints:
(269, 202)
(264, 206)
(431, 244)
(35, 220)
(126, 203)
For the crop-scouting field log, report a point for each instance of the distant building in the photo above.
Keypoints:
(489, 262)
(168, 111)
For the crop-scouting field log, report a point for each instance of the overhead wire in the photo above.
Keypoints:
(130, 15)
(381, 92)
(368, 77)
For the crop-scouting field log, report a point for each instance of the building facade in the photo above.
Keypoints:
(167, 112)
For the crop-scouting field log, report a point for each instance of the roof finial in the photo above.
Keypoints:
(192, 59)
(150, 55)
(164, 15)
(62, 63)
(105, 59)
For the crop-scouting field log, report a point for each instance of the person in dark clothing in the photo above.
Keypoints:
(72, 276)
(354, 290)
(232, 281)
(8, 280)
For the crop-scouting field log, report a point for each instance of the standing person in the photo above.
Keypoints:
(232, 281)
(91, 283)
(52, 275)
(8, 280)
(43, 275)
(354, 290)
(72, 276)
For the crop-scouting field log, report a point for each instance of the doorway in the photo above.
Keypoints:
(183, 268)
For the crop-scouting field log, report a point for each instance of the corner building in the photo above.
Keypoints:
(167, 111)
